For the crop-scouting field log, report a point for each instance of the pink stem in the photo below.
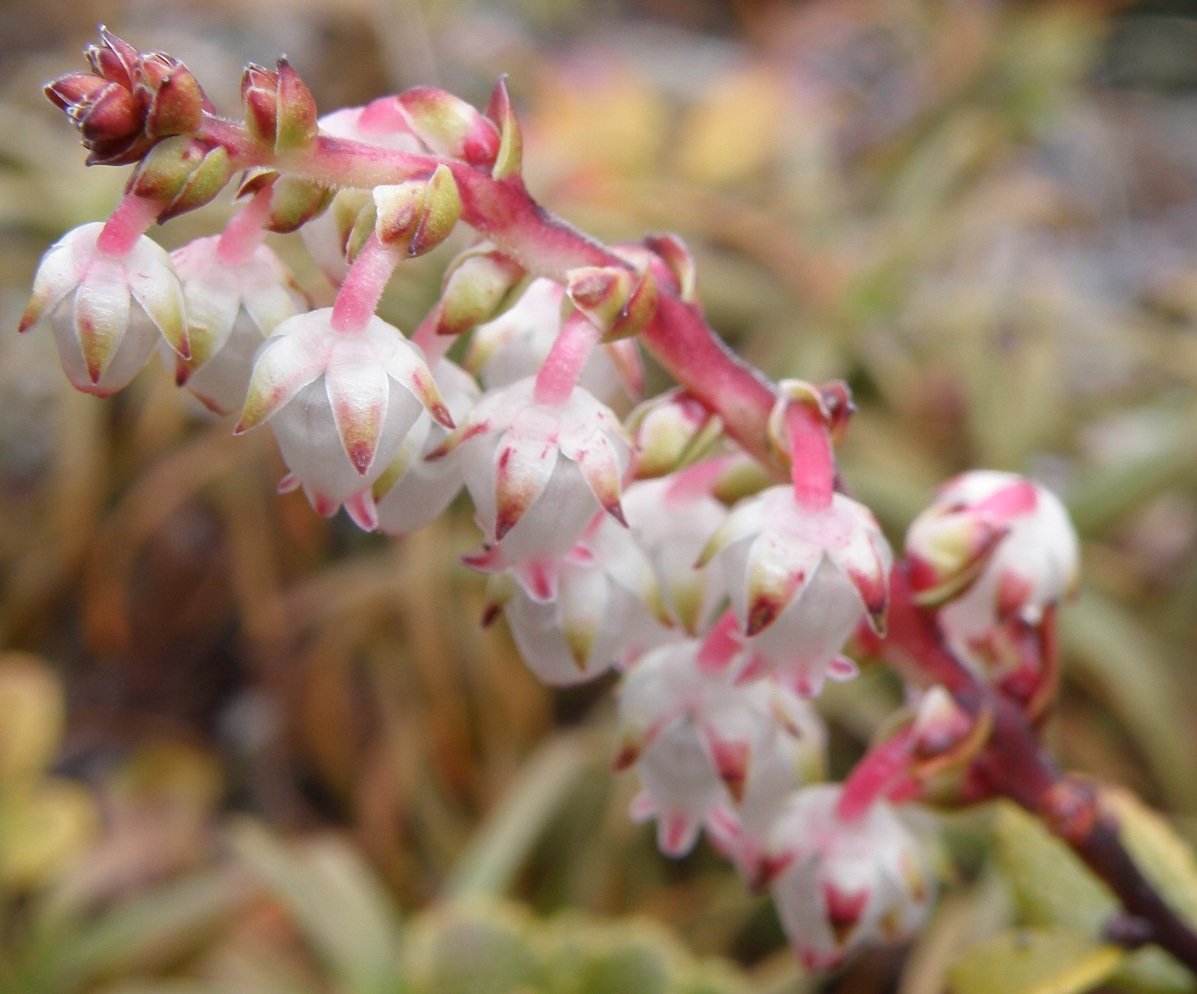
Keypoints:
(563, 365)
(367, 278)
(131, 219)
(882, 771)
(244, 234)
(812, 465)
(544, 245)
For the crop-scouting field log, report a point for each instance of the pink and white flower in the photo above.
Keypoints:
(515, 344)
(107, 312)
(231, 308)
(538, 474)
(413, 490)
(992, 547)
(606, 613)
(673, 518)
(711, 752)
(340, 405)
(839, 883)
(800, 581)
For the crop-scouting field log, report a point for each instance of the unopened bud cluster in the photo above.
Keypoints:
(605, 544)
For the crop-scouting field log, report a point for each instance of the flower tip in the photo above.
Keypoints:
(504, 522)
(440, 414)
(361, 454)
(361, 510)
(615, 509)
(30, 317)
(628, 752)
(490, 613)
(761, 615)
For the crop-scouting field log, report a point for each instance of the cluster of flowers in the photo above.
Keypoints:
(605, 545)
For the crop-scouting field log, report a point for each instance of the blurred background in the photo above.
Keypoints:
(244, 749)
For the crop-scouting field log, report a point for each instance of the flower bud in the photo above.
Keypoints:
(114, 59)
(474, 287)
(134, 99)
(280, 110)
(171, 97)
(293, 202)
(995, 544)
(619, 302)
(672, 430)
(449, 126)
(182, 173)
(674, 253)
(418, 215)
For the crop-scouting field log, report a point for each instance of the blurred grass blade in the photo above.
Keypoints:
(146, 930)
(513, 828)
(334, 901)
(1111, 654)
(1124, 485)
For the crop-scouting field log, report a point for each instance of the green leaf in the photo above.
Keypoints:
(1034, 961)
(334, 900)
(1052, 888)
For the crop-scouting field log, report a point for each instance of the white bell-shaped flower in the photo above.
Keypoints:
(515, 344)
(606, 613)
(673, 520)
(107, 312)
(538, 474)
(230, 311)
(710, 751)
(340, 405)
(800, 581)
(413, 490)
(839, 883)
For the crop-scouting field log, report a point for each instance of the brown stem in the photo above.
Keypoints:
(1014, 765)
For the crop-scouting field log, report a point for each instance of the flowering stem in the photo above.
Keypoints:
(244, 234)
(131, 219)
(1014, 765)
(367, 278)
(561, 369)
(812, 465)
(544, 245)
